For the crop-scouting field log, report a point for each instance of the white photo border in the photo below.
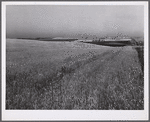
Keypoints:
(24, 115)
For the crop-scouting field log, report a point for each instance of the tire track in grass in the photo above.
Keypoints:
(77, 63)
(83, 80)
(77, 67)
(58, 80)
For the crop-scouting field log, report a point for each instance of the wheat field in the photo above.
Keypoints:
(72, 75)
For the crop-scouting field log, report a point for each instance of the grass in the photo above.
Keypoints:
(69, 75)
(111, 84)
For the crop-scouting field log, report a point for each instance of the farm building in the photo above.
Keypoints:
(115, 41)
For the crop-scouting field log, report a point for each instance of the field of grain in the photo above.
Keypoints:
(72, 75)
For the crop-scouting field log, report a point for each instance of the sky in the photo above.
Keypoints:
(31, 21)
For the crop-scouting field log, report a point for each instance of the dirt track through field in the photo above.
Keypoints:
(120, 66)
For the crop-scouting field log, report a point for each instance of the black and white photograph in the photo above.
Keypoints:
(88, 56)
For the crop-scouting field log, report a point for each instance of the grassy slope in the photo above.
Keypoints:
(71, 75)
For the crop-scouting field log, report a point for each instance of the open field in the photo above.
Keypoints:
(72, 75)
